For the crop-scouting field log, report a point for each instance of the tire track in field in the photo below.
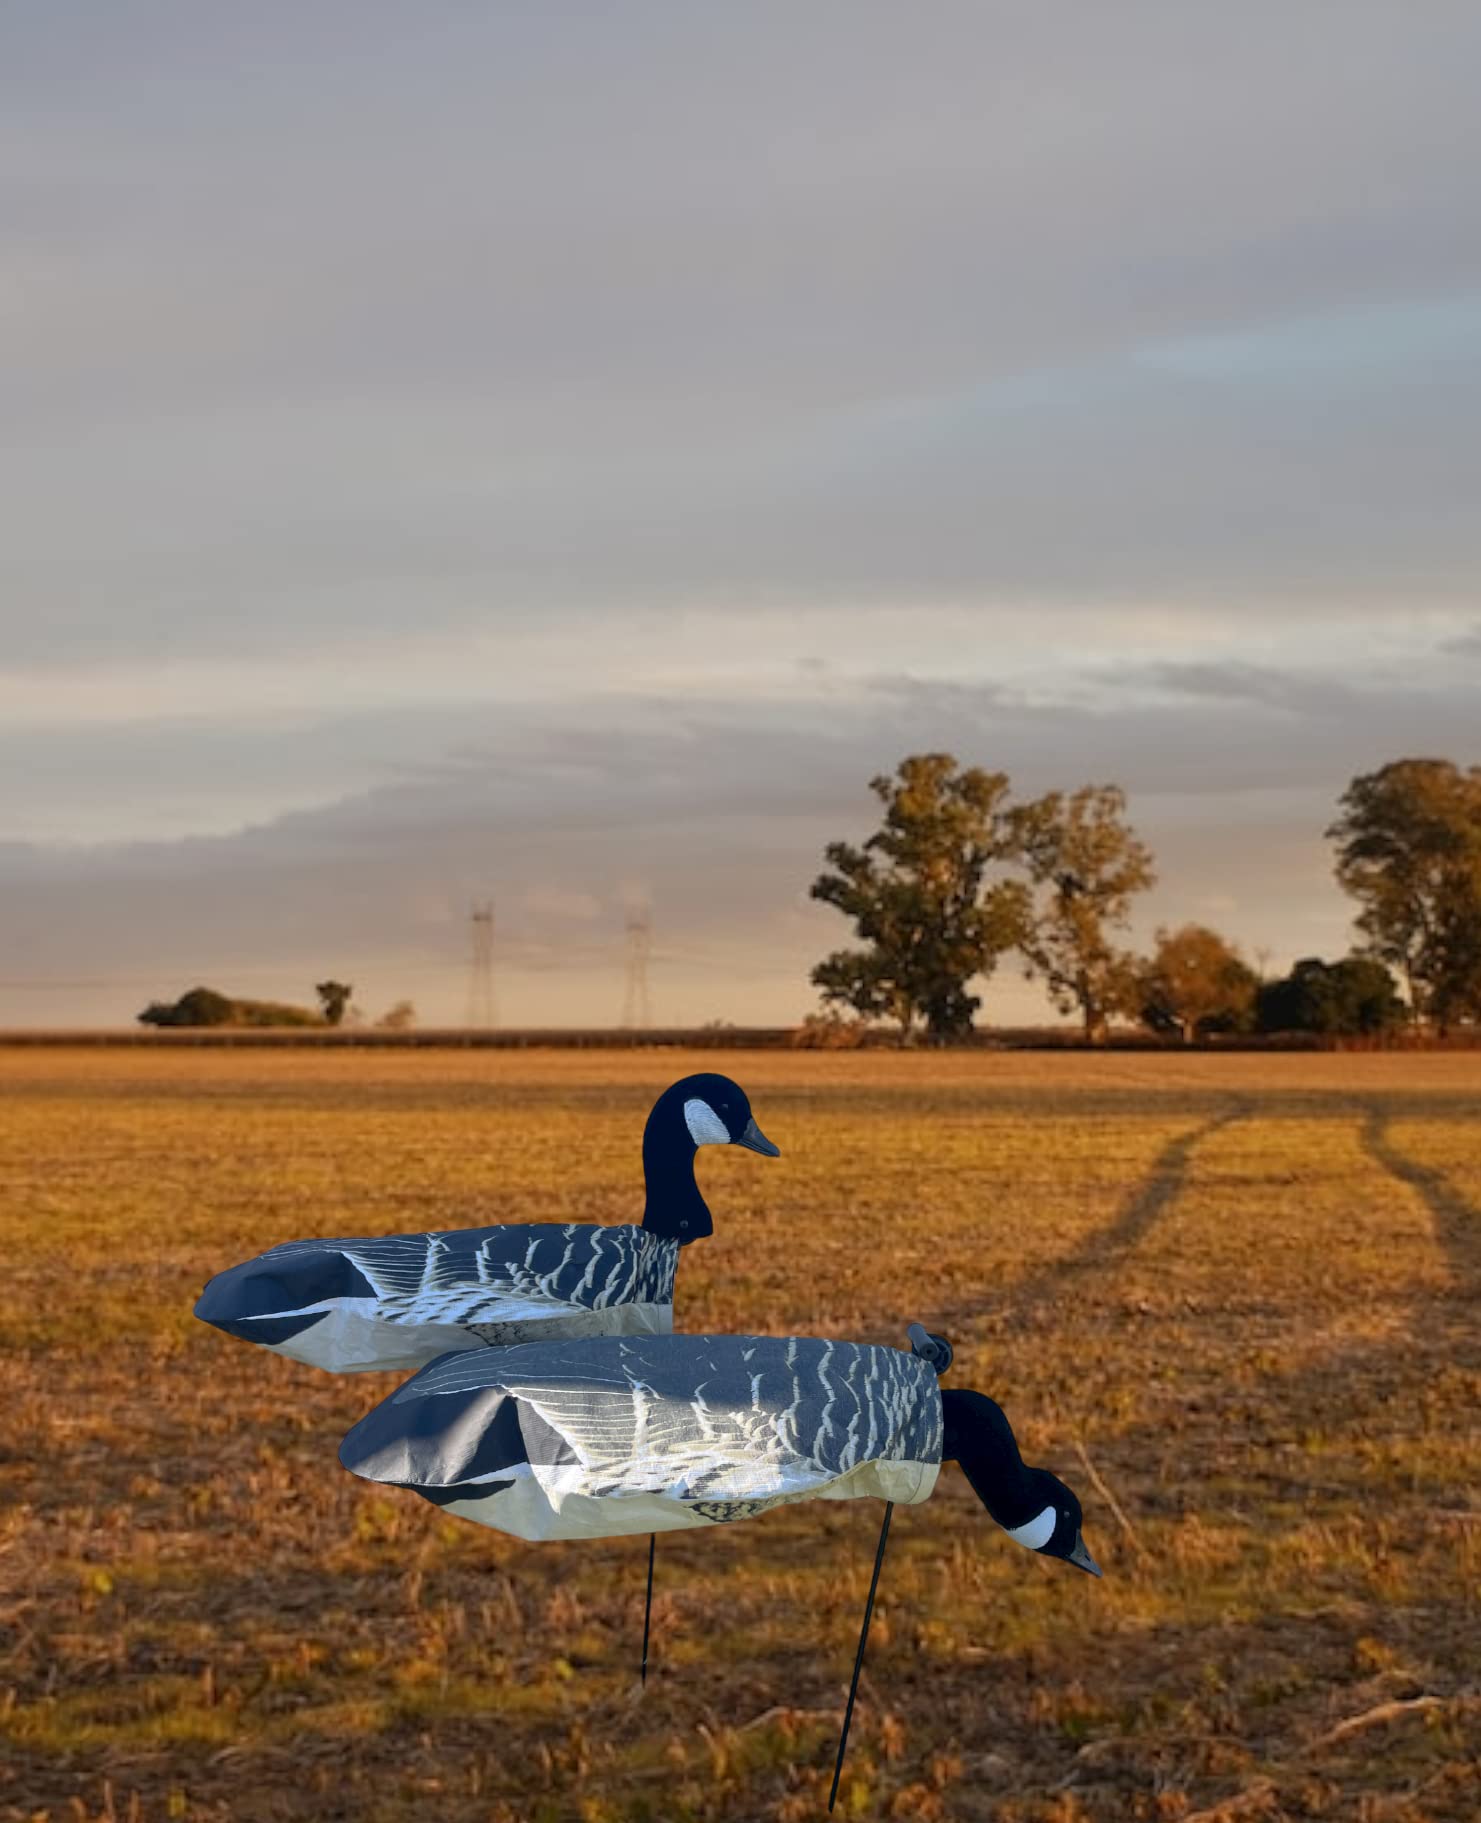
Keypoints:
(1351, 1388)
(1149, 1201)
(1456, 1220)
(1106, 1248)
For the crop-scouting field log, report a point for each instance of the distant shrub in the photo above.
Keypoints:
(831, 1032)
(274, 1012)
(1354, 997)
(203, 1006)
(400, 1018)
(200, 1006)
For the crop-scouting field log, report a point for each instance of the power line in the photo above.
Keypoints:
(481, 1012)
(637, 1011)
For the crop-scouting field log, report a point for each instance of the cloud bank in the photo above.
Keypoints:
(564, 455)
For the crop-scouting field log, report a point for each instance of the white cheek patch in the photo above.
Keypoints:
(705, 1126)
(1036, 1533)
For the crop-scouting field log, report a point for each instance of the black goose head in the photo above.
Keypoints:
(700, 1110)
(1054, 1530)
(1032, 1506)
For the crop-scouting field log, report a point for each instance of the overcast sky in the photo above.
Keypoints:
(560, 453)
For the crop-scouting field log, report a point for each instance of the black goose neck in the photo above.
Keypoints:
(673, 1207)
(980, 1440)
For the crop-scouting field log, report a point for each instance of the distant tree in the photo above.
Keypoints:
(1356, 996)
(203, 1006)
(334, 997)
(917, 892)
(199, 1006)
(1196, 983)
(400, 1018)
(1409, 850)
(1086, 864)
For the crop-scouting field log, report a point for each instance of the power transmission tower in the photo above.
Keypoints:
(636, 1010)
(481, 966)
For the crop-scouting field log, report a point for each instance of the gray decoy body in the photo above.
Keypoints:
(399, 1301)
(609, 1436)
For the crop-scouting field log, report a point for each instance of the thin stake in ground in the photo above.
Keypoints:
(884, 1532)
(648, 1607)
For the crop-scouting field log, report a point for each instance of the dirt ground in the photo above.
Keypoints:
(1232, 1299)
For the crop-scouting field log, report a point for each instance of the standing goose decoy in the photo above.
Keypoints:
(398, 1301)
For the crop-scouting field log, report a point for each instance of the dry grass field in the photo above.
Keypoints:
(1233, 1300)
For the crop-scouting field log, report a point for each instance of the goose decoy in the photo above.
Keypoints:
(401, 1300)
(613, 1435)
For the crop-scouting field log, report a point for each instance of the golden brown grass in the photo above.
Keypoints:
(1232, 1299)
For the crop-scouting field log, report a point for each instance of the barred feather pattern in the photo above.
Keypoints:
(733, 1422)
(468, 1276)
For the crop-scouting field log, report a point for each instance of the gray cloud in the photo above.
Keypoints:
(717, 815)
(1233, 681)
(320, 327)
(497, 448)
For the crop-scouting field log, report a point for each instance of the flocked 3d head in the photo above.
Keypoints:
(391, 1302)
(1032, 1506)
(700, 1110)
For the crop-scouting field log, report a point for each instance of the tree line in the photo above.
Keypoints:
(959, 877)
(204, 1006)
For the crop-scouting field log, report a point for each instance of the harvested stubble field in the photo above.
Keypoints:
(1243, 1290)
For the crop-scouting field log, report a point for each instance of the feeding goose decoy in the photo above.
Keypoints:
(611, 1436)
(608, 1436)
(399, 1301)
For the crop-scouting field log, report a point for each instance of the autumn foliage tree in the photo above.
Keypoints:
(1196, 983)
(1086, 864)
(928, 918)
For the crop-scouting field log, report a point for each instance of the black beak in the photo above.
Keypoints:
(754, 1140)
(1081, 1558)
